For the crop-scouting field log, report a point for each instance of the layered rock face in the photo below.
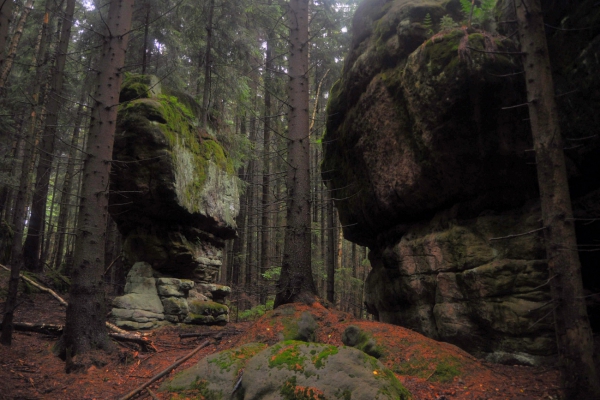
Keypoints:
(432, 164)
(174, 194)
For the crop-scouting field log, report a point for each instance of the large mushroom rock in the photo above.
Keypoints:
(174, 194)
(424, 129)
(428, 152)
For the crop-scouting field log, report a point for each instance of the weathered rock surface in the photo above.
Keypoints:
(431, 163)
(151, 302)
(174, 193)
(291, 368)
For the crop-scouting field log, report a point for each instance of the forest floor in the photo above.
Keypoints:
(428, 369)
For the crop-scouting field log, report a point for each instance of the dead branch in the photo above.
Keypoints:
(40, 287)
(165, 371)
(57, 330)
(518, 234)
(47, 329)
(62, 302)
(216, 334)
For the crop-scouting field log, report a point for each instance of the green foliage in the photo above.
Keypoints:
(428, 24)
(482, 14)
(447, 23)
(272, 274)
(256, 312)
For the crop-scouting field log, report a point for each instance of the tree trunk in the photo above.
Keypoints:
(6, 11)
(207, 64)
(267, 208)
(574, 336)
(296, 280)
(85, 322)
(145, 47)
(66, 198)
(14, 43)
(31, 248)
(330, 250)
(20, 207)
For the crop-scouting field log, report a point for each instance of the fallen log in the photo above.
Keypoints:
(56, 330)
(214, 334)
(165, 371)
(64, 303)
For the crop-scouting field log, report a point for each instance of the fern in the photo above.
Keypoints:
(428, 24)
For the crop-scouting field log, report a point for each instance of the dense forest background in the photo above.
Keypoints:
(232, 57)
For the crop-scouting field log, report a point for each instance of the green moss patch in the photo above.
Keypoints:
(287, 354)
(235, 359)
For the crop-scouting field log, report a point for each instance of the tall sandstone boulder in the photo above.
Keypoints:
(433, 164)
(174, 197)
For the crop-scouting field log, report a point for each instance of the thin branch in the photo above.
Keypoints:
(518, 234)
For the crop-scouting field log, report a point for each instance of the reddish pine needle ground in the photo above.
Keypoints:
(28, 370)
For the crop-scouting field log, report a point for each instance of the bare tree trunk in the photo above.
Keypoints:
(66, 198)
(267, 208)
(145, 47)
(50, 228)
(85, 322)
(207, 64)
(31, 248)
(6, 11)
(14, 43)
(296, 280)
(239, 254)
(330, 251)
(574, 336)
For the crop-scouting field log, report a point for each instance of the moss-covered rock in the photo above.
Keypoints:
(174, 193)
(428, 150)
(291, 370)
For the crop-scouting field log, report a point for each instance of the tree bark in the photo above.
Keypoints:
(31, 248)
(574, 336)
(85, 322)
(20, 207)
(14, 43)
(296, 280)
(330, 261)
(6, 11)
(207, 64)
(267, 208)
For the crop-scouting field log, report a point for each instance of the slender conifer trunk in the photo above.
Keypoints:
(296, 280)
(85, 323)
(574, 336)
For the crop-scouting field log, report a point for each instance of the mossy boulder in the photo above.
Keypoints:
(216, 374)
(174, 193)
(428, 149)
(291, 369)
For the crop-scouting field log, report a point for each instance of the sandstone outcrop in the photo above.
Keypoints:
(432, 164)
(174, 196)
